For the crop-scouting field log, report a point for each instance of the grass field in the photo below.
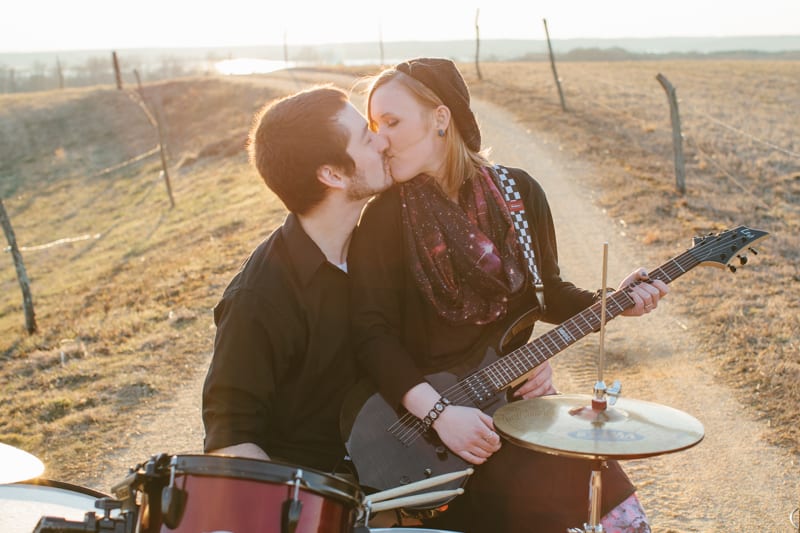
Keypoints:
(124, 315)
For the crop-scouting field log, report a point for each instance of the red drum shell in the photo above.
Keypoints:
(235, 494)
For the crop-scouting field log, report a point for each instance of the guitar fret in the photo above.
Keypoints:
(493, 377)
(550, 337)
(562, 331)
(518, 366)
(579, 327)
(501, 371)
(541, 354)
(531, 357)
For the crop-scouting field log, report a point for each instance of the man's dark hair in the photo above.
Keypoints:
(292, 137)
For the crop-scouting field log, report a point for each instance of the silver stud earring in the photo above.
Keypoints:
(441, 133)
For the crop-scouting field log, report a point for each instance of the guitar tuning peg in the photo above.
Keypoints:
(742, 259)
(753, 251)
(732, 268)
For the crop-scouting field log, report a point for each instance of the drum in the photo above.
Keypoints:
(23, 504)
(214, 493)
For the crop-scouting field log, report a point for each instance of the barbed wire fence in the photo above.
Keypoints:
(700, 124)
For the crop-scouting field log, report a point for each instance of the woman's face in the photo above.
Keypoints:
(414, 145)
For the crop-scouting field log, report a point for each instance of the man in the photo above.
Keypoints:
(282, 358)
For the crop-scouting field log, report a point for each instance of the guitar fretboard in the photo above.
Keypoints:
(495, 377)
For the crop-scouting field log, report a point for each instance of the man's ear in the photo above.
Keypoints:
(331, 177)
(441, 117)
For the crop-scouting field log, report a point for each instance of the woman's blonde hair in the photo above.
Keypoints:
(460, 163)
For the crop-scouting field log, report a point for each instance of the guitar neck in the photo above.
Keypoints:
(497, 376)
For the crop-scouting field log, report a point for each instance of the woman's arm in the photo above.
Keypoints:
(376, 264)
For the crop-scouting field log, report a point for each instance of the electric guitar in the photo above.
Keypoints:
(390, 448)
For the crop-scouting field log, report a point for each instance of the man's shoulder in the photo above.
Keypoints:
(267, 267)
(383, 205)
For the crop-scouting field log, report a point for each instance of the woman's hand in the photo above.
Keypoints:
(645, 294)
(539, 383)
(467, 432)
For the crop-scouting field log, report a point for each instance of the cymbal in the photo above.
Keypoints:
(566, 424)
(18, 465)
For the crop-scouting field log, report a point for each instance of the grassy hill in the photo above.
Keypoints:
(124, 312)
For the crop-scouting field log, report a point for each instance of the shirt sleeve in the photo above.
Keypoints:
(562, 298)
(376, 262)
(239, 389)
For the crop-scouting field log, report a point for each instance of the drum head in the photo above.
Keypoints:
(23, 504)
(409, 530)
(270, 472)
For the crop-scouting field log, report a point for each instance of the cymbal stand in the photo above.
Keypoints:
(600, 403)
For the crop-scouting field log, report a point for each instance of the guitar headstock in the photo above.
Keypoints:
(720, 249)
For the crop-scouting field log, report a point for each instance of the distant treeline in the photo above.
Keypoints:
(93, 71)
(89, 70)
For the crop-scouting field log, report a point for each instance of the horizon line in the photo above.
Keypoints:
(404, 42)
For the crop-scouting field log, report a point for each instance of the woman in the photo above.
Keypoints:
(436, 268)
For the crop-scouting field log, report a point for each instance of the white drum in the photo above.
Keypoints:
(23, 504)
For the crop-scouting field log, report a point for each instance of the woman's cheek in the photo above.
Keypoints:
(400, 172)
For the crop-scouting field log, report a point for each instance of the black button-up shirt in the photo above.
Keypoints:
(282, 358)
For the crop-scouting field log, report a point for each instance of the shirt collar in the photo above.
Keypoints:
(305, 255)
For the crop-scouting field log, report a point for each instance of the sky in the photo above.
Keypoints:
(51, 25)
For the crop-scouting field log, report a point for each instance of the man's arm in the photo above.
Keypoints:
(245, 449)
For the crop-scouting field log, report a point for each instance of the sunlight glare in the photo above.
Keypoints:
(243, 66)
(18, 465)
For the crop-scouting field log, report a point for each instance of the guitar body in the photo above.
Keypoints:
(375, 442)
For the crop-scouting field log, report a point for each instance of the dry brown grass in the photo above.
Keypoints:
(131, 310)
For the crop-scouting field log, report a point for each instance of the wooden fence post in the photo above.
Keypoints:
(22, 276)
(380, 42)
(162, 149)
(156, 123)
(553, 67)
(478, 44)
(116, 70)
(677, 136)
(60, 73)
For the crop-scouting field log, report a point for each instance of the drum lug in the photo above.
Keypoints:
(173, 502)
(291, 509)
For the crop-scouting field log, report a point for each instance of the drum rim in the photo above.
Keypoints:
(63, 485)
(259, 470)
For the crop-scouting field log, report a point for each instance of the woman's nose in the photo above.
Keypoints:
(383, 141)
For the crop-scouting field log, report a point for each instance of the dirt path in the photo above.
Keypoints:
(731, 481)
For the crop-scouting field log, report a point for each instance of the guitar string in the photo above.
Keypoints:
(414, 428)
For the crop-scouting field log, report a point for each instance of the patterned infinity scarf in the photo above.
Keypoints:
(465, 258)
